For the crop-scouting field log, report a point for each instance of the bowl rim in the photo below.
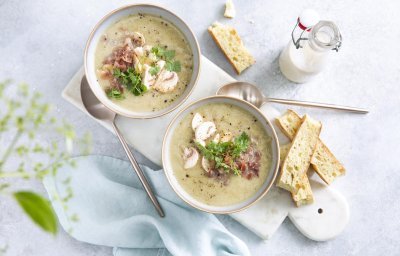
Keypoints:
(89, 42)
(275, 144)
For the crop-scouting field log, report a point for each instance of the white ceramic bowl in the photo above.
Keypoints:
(169, 172)
(113, 17)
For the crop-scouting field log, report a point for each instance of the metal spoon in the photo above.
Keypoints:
(253, 95)
(99, 111)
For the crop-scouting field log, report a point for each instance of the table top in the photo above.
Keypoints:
(42, 43)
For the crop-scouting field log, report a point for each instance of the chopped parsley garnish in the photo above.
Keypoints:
(173, 66)
(241, 144)
(131, 80)
(224, 154)
(114, 93)
(158, 51)
(154, 70)
(168, 56)
(163, 53)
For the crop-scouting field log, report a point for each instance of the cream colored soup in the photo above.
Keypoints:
(157, 32)
(227, 118)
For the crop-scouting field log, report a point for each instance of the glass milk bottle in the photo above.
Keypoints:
(308, 52)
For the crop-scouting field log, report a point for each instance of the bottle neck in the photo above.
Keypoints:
(325, 36)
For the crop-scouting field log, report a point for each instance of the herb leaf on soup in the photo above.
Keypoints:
(240, 144)
(163, 53)
(131, 80)
(114, 93)
(130, 64)
(154, 70)
(224, 154)
(173, 66)
(158, 51)
(168, 56)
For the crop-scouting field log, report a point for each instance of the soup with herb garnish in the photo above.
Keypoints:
(143, 63)
(220, 154)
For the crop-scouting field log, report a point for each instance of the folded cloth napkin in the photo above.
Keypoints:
(113, 210)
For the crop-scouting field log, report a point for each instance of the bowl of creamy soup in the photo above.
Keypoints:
(220, 154)
(142, 61)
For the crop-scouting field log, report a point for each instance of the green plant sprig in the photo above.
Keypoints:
(131, 80)
(224, 154)
(26, 117)
(168, 56)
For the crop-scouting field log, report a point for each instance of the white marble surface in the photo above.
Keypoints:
(41, 43)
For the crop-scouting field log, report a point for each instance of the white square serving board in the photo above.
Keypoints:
(264, 217)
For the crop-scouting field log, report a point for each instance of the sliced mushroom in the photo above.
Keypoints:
(148, 78)
(152, 57)
(216, 138)
(196, 121)
(139, 51)
(190, 156)
(206, 164)
(147, 48)
(227, 136)
(137, 39)
(147, 52)
(135, 60)
(128, 44)
(205, 130)
(160, 64)
(166, 81)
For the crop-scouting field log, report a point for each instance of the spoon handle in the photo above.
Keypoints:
(317, 105)
(139, 172)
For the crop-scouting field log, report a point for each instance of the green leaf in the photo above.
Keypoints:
(19, 122)
(204, 151)
(38, 209)
(114, 93)
(139, 90)
(135, 79)
(236, 171)
(241, 144)
(23, 89)
(3, 249)
(154, 70)
(158, 51)
(173, 66)
(169, 55)
(131, 80)
(117, 73)
(224, 153)
(74, 218)
(4, 186)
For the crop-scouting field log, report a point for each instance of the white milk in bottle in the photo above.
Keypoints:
(308, 52)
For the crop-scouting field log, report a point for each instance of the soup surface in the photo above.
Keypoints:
(143, 63)
(237, 141)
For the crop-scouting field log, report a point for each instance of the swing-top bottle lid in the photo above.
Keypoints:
(308, 18)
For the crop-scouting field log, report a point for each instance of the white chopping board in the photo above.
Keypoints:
(321, 221)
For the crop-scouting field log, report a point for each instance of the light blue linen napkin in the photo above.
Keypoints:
(113, 210)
